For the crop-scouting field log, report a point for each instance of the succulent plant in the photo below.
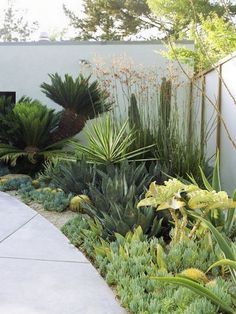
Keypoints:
(71, 177)
(77, 202)
(115, 199)
(195, 274)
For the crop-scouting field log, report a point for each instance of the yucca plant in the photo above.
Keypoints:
(108, 144)
(29, 140)
(81, 99)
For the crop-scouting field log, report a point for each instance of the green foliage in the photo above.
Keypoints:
(143, 135)
(129, 262)
(115, 200)
(81, 99)
(71, 177)
(14, 184)
(214, 39)
(225, 219)
(195, 254)
(200, 290)
(3, 169)
(6, 105)
(78, 95)
(227, 246)
(117, 20)
(35, 123)
(51, 199)
(109, 20)
(84, 232)
(108, 143)
(134, 115)
(178, 198)
(14, 27)
(27, 129)
(165, 103)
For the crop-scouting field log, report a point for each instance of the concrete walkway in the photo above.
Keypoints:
(41, 273)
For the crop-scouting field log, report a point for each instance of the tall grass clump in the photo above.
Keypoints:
(158, 113)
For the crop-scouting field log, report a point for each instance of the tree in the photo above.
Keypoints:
(212, 29)
(214, 39)
(118, 19)
(14, 27)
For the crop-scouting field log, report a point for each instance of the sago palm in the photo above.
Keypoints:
(81, 100)
(29, 140)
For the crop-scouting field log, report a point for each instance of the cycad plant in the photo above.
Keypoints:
(27, 129)
(81, 100)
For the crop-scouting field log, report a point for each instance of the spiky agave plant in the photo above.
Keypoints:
(81, 99)
(114, 200)
(29, 140)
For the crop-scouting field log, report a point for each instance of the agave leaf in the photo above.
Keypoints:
(198, 289)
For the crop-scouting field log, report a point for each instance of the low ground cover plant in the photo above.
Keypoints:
(131, 264)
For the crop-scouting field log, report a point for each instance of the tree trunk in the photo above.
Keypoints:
(71, 124)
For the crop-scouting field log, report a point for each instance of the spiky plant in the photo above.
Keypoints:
(29, 139)
(109, 144)
(71, 177)
(114, 201)
(81, 100)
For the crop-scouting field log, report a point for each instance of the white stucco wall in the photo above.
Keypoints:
(223, 92)
(24, 66)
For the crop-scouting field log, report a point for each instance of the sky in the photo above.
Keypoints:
(48, 13)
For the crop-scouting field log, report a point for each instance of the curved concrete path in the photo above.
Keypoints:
(41, 273)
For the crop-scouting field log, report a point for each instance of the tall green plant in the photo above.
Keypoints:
(81, 99)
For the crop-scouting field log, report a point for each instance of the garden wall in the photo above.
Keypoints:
(24, 66)
(214, 92)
